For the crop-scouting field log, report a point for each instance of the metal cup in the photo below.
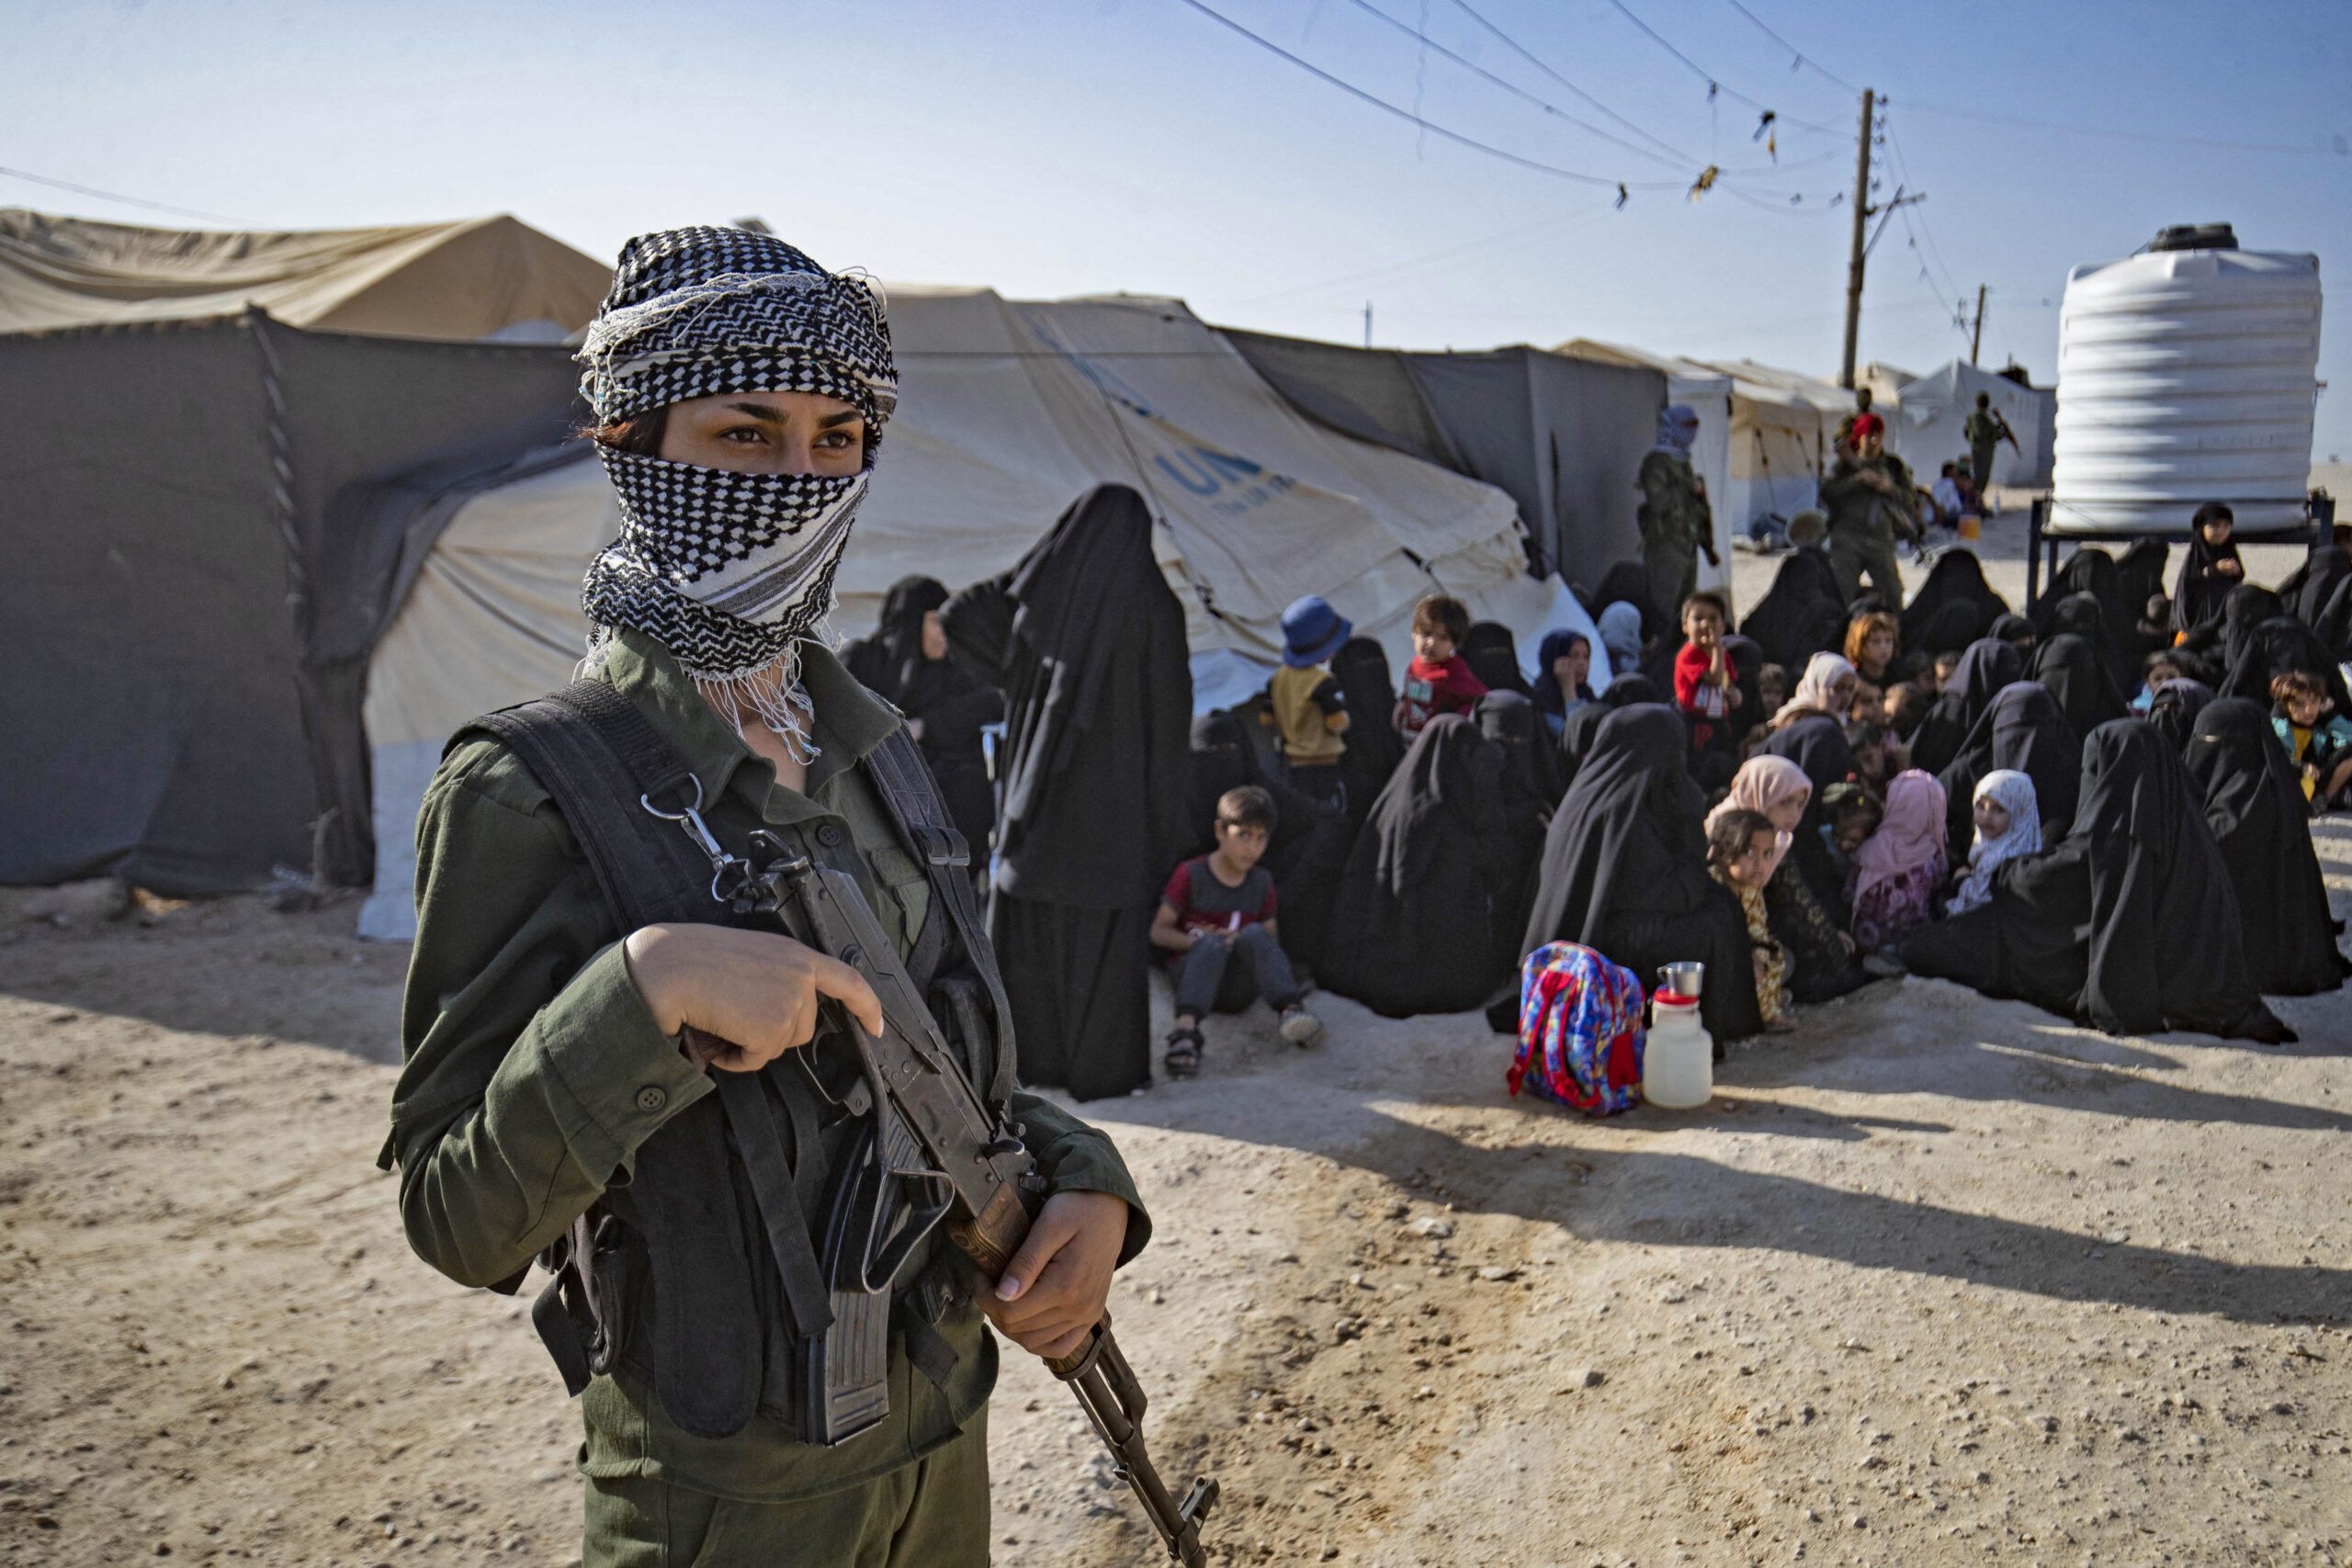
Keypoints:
(1683, 979)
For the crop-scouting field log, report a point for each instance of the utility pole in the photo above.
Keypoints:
(1854, 264)
(1367, 326)
(1976, 337)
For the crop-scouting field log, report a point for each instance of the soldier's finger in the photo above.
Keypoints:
(846, 986)
(1051, 1233)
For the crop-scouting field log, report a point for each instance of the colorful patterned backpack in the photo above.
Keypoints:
(1581, 1034)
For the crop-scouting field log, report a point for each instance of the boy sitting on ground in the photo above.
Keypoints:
(1438, 680)
(2318, 741)
(1218, 905)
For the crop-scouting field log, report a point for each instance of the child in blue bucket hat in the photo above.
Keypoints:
(1303, 698)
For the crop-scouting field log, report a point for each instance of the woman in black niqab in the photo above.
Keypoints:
(947, 706)
(1626, 871)
(2075, 673)
(2164, 944)
(1801, 614)
(2082, 616)
(1374, 746)
(2023, 729)
(1529, 793)
(2201, 591)
(1492, 653)
(1627, 690)
(1576, 736)
(2272, 648)
(1957, 579)
(2255, 805)
(880, 662)
(2173, 707)
(1986, 666)
(2319, 595)
(1099, 697)
(1413, 927)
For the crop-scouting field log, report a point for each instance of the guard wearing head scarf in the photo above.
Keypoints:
(545, 1109)
(1677, 525)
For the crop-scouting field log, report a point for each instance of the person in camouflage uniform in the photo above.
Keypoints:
(1870, 499)
(1677, 525)
(1986, 430)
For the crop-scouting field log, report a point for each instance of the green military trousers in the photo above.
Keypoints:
(933, 1513)
(1854, 550)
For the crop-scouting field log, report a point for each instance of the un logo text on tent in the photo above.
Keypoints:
(1239, 484)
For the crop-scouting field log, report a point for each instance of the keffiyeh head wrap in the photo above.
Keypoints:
(729, 571)
(1677, 426)
(2013, 793)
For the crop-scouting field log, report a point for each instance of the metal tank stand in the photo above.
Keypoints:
(2319, 514)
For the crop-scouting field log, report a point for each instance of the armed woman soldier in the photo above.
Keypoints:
(741, 391)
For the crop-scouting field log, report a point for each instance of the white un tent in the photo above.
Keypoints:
(1007, 413)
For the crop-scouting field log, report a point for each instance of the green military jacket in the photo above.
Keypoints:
(1855, 507)
(532, 1070)
(1673, 513)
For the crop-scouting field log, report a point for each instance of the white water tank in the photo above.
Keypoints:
(2186, 374)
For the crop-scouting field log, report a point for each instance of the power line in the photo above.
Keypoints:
(1802, 59)
(1529, 55)
(1429, 124)
(1714, 83)
(1678, 158)
(2340, 149)
(112, 196)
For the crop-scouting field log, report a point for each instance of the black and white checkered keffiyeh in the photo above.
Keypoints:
(729, 571)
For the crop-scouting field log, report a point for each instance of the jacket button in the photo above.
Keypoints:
(830, 836)
(652, 1097)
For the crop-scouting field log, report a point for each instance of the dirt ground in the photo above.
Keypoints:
(1934, 1280)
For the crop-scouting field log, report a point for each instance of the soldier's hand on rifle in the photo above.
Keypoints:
(1053, 1291)
(757, 990)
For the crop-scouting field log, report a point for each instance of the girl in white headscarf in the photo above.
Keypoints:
(1825, 687)
(2008, 824)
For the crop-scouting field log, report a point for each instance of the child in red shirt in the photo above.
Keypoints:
(1438, 680)
(1703, 687)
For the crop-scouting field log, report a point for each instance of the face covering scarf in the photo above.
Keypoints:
(729, 571)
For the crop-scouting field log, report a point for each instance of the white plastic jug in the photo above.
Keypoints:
(1679, 1064)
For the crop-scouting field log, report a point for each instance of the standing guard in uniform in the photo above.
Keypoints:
(1870, 499)
(1985, 431)
(1677, 525)
(662, 1100)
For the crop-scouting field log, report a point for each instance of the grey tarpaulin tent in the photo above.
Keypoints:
(199, 566)
(1564, 437)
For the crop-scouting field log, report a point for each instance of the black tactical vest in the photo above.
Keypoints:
(718, 1270)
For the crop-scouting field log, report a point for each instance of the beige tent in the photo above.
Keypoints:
(475, 278)
(1783, 424)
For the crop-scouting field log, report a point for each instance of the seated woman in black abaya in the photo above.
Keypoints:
(1626, 871)
(1413, 927)
(2255, 806)
(2129, 925)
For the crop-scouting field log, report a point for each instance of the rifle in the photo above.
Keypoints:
(978, 1171)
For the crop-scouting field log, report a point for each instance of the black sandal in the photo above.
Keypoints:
(1183, 1057)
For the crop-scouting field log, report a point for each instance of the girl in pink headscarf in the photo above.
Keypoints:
(1898, 868)
(1821, 955)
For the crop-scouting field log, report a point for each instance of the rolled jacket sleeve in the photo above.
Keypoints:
(1076, 1157)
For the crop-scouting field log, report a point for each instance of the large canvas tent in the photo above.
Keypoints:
(1007, 411)
(1563, 437)
(476, 278)
(1780, 427)
(205, 512)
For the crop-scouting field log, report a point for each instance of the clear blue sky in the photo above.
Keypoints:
(1054, 147)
